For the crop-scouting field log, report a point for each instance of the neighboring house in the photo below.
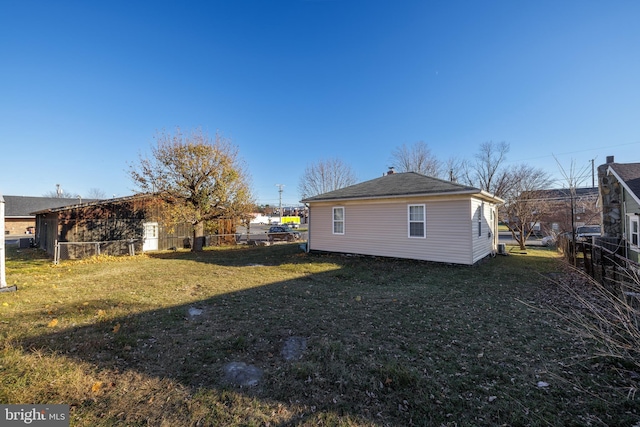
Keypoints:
(406, 215)
(620, 193)
(586, 209)
(19, 217)
(116, 224)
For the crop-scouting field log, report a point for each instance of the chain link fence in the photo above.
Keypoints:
(80, 250)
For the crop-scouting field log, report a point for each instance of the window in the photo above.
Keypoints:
(338, 220)
(417, 221)
(480, 219)
(634, 230)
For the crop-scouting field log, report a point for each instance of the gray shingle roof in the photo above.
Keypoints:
(630, 174)
(25, 206)
(565, 193)
(395, 185)
(92, 202)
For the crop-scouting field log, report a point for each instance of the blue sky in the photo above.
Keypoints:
(85, 85)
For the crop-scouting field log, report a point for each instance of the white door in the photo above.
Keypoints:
(150, 237)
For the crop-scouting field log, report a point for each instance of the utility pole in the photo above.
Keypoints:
(593, 177)
(280, 186)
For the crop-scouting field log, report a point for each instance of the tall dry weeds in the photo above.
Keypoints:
(608, 314)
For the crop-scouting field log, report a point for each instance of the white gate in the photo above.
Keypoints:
(150, 237)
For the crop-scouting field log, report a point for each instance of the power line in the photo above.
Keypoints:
(574, 152)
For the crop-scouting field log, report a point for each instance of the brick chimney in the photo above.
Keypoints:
(391, 170)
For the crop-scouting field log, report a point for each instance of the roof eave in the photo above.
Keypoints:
(624, 184)
(93, 203)
(482, 193)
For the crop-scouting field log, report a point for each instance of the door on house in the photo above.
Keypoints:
(150, 237)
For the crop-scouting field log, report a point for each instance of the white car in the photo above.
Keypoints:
(548, 241)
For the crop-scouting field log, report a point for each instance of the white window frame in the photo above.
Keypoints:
(634, 220)
(423, 221)
(335, 221)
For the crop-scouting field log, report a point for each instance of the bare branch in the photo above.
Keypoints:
(416, 158)
(325, 176)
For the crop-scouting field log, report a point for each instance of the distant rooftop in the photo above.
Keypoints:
(24, 206)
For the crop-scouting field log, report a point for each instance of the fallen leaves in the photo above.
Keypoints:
(52, 323)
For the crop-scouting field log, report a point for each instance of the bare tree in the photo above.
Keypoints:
(486, 171)
(96, 193)
(200, 179)
(416, 158)
(454, 169)
(573, 179)
(60, 193)
(325, 176)
(525, 204)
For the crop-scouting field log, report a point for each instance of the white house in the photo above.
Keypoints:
(406, 215)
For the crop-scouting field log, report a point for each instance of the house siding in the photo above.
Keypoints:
(483, 242)
(630, 207)
(380, 228)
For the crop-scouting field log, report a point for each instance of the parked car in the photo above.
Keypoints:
(548, 241)
(283, 233)
(585, 231)
(584, 234)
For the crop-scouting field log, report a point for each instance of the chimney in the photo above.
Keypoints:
(391, 170)
(609, 159)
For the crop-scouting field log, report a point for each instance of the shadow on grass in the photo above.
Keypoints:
(388, 342)
(240, 255)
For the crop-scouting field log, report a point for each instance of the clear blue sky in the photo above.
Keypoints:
(85, 85)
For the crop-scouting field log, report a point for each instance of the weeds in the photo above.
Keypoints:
(608, 315)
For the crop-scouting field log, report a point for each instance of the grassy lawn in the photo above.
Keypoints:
(388, 342)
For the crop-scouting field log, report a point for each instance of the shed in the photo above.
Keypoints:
(406, 215)
(116, 226)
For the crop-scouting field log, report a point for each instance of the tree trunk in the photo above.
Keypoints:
(523, 246)
(198, 237)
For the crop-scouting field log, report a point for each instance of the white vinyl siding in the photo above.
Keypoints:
(483, 243)
(417, 221)
(338, 220)
(380, 228)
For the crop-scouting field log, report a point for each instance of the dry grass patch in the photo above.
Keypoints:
(388, 342)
